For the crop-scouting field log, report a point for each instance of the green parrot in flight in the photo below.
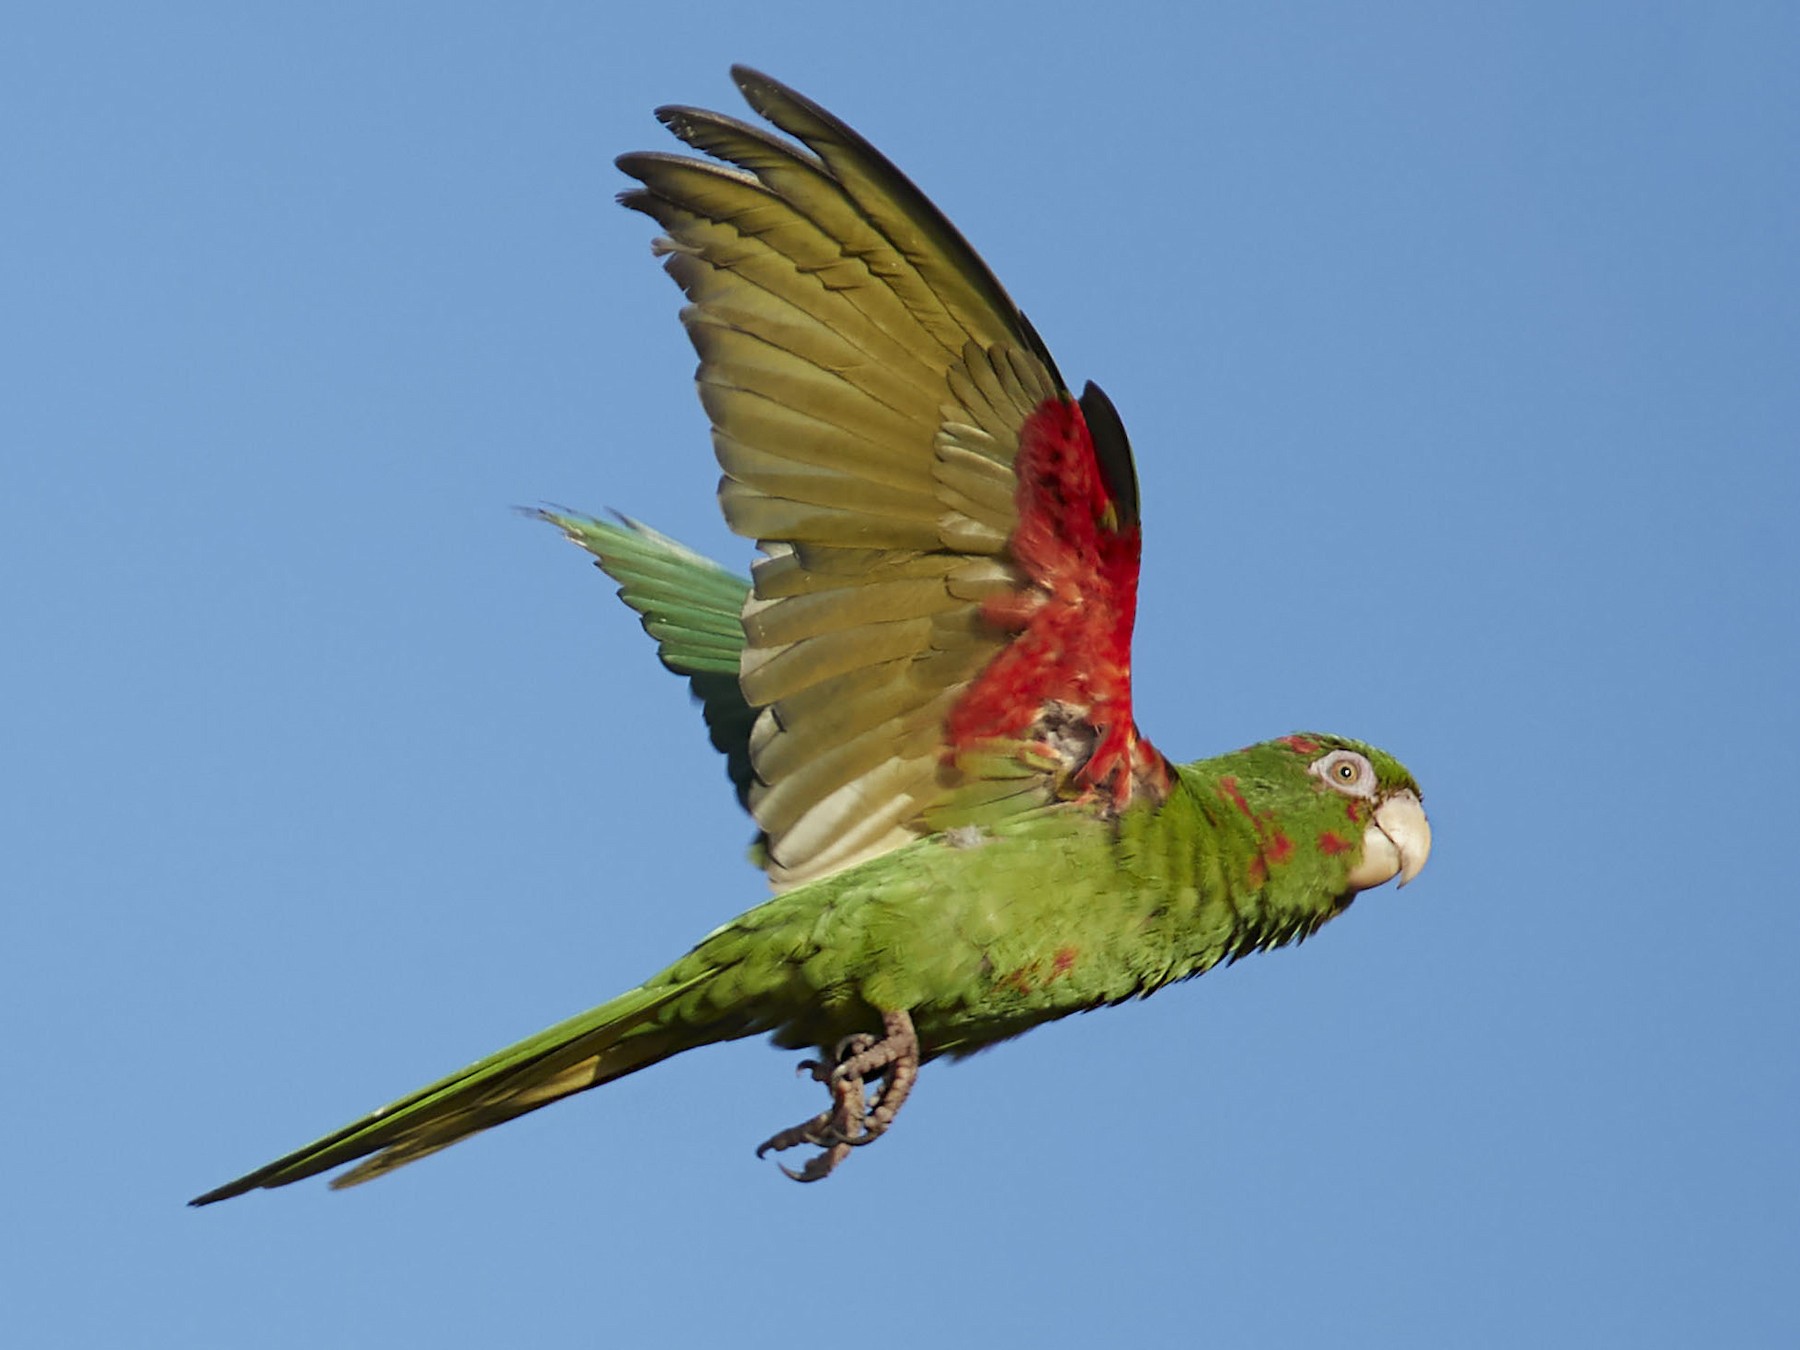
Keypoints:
(923, 692)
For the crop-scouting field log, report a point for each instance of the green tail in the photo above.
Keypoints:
(693, 608)
(633, 1031)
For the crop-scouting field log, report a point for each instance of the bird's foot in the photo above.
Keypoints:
(853, 1119)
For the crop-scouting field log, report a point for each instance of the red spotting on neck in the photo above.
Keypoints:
(1074, 621)
(1274, 848)
(1231, 792)
(1330, 842)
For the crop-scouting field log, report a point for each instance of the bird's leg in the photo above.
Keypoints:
(844, 1116)
(895, 1058)
(852, 1118)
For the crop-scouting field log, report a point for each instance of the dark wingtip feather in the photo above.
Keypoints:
(815, 126)
(1112, 450)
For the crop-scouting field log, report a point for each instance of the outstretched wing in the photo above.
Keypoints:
(940, 631)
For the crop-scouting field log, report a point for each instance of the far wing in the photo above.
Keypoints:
(940, 632)
(694, 609)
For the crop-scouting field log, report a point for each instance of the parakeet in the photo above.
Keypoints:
(923, 692)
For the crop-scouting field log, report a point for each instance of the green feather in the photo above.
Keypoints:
(693, 608)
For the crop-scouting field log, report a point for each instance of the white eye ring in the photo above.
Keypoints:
(1345, 771)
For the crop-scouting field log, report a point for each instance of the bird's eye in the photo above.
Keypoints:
(1347, 772)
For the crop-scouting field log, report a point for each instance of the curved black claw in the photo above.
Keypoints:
(852, 1119)
(819, 1166)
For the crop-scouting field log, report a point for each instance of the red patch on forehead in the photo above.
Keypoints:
(1330, 842)
(1302, 745)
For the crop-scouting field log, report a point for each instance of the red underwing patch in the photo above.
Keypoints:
(1063, 961)
(1074, 622)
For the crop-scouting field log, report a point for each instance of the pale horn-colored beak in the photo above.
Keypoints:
(1396, 844)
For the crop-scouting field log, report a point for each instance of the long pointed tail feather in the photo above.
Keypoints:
(594, 1048)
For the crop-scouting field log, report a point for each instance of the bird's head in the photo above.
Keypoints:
(1337, 812)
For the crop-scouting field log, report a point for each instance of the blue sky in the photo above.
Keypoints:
(1458, 347)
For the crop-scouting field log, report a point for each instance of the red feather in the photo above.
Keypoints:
(1074, 621)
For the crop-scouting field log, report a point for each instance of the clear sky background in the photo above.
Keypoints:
(1459, 347)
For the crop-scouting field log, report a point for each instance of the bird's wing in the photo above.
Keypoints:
(693, 608)
(939, 633)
